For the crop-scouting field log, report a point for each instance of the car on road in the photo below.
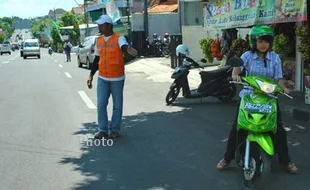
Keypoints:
(5, 48)
(31, 48)
(86, 52)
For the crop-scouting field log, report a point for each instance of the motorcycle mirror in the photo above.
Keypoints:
(235, 62)
(203, 60)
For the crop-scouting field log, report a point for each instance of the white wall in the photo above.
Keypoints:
(191, 36)
(158, 23)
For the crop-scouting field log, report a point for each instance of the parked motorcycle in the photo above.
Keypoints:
(148, 47)
(157, 46)
(166, 45)
(213, 83)
(258, 120)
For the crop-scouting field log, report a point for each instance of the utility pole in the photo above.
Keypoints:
(128, 21)
(146, 18)
(86, 18)
(54, 15)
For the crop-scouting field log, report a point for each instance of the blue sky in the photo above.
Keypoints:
(33, 8)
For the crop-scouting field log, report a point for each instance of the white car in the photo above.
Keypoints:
(86, 52)
(5, 48)
(31, 48)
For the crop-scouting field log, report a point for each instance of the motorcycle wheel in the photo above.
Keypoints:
(166, 52)
(172, 95)
(262, 169)
(229, 93)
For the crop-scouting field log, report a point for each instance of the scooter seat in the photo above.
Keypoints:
(214, 72)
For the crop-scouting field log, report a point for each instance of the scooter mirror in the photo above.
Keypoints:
(235, 61)
(203, 60)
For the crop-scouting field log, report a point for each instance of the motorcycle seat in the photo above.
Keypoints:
(215, 72)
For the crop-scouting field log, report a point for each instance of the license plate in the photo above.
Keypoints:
(259, 108)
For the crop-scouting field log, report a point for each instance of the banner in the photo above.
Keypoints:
(230, 14)
(112, 10)
(282, 11)
(242, 13)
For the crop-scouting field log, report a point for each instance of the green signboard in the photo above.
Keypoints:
(241, 13)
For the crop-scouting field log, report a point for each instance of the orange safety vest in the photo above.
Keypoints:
(111, 62)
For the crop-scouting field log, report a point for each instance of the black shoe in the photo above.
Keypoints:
(114, 135)
(100, 135)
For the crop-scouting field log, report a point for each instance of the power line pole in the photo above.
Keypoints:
(128, 21)
(146, 18)
(86, 19)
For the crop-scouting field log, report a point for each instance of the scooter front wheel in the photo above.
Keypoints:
(172, 95)
(262, 169)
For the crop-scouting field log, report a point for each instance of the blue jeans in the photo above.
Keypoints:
(104, 89)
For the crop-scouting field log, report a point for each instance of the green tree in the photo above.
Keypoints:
(2, 37)
(70, 19)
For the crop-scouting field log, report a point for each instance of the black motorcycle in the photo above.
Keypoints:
(213, 83)
(166, 46)
(50, 51)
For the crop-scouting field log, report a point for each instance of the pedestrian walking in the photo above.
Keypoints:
(67, 48)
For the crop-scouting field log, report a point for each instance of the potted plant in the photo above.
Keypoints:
(205, 45)
(281, 45)
(238, 46)
(303, 33)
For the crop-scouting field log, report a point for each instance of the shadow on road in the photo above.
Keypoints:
(171, 150)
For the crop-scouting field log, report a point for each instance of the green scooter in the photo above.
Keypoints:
(257, 119)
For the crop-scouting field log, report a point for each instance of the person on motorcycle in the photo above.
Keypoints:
(50, 50)
(260, 61)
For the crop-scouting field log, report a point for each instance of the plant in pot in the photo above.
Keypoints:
(205, 45)
(304, 47)
(281, 45)
(238, 46)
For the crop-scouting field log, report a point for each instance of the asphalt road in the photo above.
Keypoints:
(47, 114)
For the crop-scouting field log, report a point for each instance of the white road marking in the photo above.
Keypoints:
(87, 100)
(68, 75)
(55, 60)
(61, 66)
(5, 62)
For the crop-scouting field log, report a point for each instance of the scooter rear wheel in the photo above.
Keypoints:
(229, 93)
(172, 95)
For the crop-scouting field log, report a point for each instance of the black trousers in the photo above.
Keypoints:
(280, 141)
(68, 56)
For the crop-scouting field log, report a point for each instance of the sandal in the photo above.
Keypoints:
(291, 168)
(222, 165)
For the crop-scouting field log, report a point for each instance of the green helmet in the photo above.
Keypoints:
(261, 31)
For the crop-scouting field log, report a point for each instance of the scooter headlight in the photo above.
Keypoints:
(266, 87)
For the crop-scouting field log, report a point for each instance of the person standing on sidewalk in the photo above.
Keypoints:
(67, 48)
(109, 60)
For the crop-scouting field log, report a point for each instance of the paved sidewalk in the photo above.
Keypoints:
(158, 70)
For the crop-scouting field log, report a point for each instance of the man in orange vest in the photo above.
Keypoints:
(109, 61)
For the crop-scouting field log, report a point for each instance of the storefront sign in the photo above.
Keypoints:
(282, 11)
(241, 13)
